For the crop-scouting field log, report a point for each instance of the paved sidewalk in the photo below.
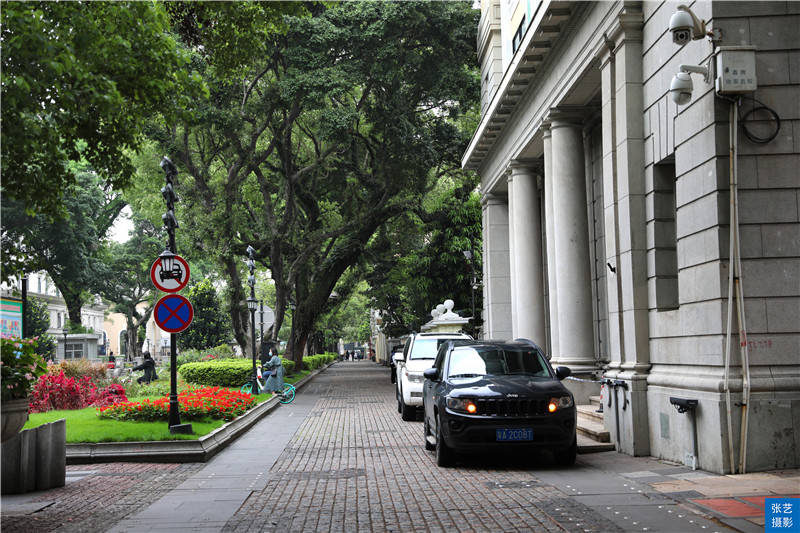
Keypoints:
(340, 459)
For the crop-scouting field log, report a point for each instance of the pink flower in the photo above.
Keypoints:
(28, 376)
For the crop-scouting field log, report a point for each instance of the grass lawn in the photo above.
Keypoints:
(83, 425)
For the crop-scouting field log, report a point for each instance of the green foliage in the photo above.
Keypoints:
(210, 325)
(80, 80)
(313, 362)
(37, 322)
(224, 373)
(67, 248)
(423, 262)
(21, 367)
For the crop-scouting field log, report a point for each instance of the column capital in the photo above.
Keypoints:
(525, 165)
(567, 116)
(628, 27)
(545, 129)
(492, 199)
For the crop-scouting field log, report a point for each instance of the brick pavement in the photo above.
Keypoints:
(355, 466)
(95, 497)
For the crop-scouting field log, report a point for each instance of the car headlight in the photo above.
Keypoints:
(415, 377)
(462, 405)
(559, 403)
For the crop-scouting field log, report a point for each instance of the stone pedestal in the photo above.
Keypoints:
(35, 459)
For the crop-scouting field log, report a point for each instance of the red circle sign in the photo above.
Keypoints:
(171, 281)
(173, 313)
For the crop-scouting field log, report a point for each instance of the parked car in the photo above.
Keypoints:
(397, 350)
(487, 395)
(418, 355)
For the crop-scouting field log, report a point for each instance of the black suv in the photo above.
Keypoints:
(482, 395)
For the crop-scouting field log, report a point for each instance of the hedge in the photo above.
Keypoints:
(224, 372)
(313, 362)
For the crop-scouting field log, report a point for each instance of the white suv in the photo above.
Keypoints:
(418, 356)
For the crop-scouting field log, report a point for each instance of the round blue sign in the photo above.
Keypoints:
(173, 313)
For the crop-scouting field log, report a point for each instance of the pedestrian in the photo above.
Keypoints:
(149, 367)
(275, 365)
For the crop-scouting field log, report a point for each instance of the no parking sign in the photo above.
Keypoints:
(173, 313)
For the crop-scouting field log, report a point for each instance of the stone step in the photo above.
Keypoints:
(587, 445)
(595, 400)
(590, 412)
(593, 430)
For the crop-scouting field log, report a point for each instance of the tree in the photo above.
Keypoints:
(67, 248)
(124, 278)
(425, 264)
(340, 126)
(211, 325)
(80, 80)
(37, 322)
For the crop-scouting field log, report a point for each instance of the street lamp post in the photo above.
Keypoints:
(261, 324)
(167, 259)
(252, 304)
(473, 285)
(65, 331)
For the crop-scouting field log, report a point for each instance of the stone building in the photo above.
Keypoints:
(607, 210)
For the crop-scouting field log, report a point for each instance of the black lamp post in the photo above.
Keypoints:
(65, 331)
(261, 323)
(167, 259)
(252, 304)
(473, 284)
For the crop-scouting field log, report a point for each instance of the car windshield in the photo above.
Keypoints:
(467, 362)
(425, 348)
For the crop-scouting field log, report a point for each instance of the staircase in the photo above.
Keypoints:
(592, 436)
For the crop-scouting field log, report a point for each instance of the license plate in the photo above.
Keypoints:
(514, 434)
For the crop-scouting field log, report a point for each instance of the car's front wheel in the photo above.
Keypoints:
(566, 457)
(444, 455)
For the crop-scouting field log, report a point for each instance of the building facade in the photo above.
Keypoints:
(607, 212)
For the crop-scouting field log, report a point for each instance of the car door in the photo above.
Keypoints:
(433, 388)
(399, 365)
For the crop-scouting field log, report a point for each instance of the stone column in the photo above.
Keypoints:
(527, 292)
(573, 274)
(625, 224)
(511, 252)
(549, 228)
(496, 271)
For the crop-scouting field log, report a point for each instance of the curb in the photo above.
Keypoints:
(177, 451)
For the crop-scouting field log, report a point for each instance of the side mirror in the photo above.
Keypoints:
(563, 372)
(431, 374)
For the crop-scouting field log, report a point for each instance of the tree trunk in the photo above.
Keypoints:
(132, 332)
(74, 304)
(236, 295)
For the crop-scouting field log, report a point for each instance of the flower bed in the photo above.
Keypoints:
(57, 391)
(216, 402)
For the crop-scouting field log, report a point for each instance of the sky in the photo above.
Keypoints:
(122, 226)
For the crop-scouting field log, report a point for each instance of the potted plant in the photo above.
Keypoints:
(20, 368)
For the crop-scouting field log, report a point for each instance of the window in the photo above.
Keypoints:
(73, 350)
(471, 362)
(517, 40)
(665, 245)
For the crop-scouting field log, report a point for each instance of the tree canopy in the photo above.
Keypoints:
(80, 80)
(342, 124)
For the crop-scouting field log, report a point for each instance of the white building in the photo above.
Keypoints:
(91, 345)
(606, 216)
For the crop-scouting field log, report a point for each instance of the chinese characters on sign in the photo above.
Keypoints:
(780, 515)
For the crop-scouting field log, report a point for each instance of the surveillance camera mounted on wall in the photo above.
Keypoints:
(685, 26)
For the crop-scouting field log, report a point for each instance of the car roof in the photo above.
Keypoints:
(442, 335)
(515, 344)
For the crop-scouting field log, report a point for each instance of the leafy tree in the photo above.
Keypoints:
(211, 325)
(425, 264)
(37, 322)
(67, 248)
(84, 74)
(335, 129)
(124, 278)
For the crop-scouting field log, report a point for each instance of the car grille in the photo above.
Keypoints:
(511, 407)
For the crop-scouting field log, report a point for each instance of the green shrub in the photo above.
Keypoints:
(313, 362)
(224, 372)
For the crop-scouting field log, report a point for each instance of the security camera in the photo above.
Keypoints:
(685, 26)
(680, 89)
